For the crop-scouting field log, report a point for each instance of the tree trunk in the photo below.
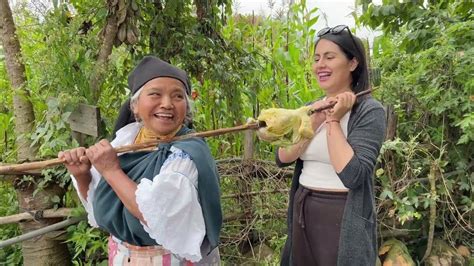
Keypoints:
(207, 17)
(40, 251)
(98, 75)
(22, 107)
(48, 249)
(154, 42)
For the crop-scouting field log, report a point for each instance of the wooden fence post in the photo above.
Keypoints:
(248, 145)
(392, 120)
(245, 188)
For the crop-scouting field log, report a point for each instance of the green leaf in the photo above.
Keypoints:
(386, 193)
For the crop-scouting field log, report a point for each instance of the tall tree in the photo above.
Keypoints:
(43, 251)
(23, 109)
(425, 57)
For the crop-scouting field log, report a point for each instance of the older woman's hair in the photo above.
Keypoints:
(188, 119)
(352, 47)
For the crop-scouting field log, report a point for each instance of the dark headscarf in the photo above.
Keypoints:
(150, 67)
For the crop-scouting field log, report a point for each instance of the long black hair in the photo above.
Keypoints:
(353, 48)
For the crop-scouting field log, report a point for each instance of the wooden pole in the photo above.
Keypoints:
(25, 167)
(61, 212)
(331, 105)
(41, 231)
(244, 183)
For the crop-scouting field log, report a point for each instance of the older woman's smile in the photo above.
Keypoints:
(165, 116)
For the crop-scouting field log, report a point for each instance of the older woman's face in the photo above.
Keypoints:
(162, 105)
(332, 68)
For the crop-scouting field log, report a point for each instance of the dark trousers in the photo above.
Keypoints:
(317, 218)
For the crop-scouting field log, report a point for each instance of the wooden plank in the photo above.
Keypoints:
(85, 119)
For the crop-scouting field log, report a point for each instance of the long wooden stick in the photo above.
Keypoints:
(23, 168)
(26, 216)
(331, 105)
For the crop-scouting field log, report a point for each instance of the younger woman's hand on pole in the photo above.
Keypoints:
(344, 102)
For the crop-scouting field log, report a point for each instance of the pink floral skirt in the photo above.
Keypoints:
(122, 253)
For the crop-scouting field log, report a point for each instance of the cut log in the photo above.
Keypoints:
(394, 252)
(442, 254)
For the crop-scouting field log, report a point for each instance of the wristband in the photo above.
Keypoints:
(328, 122)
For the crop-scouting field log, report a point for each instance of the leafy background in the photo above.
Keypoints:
(422, 65)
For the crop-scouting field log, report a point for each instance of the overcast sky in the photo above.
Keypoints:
(331, 13)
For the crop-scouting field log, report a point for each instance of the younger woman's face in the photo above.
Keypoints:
(161, 105)
(332, 68)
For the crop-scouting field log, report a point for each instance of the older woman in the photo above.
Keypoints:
(331, 217)
(161, 207)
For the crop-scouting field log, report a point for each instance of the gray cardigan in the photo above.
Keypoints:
(358, 239)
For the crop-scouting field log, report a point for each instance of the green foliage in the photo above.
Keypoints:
(89, 244)
(276, 70)
(6, 136)
(52, 130)
(64, 70)
(406, 188)
(423, 21)
(242, 64)
(466, 125)
(426, 60)
(6, 116)
(10, 255)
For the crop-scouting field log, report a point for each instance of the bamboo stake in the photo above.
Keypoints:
(25, 167)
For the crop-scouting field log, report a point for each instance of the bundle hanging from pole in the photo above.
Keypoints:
(26, 168)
